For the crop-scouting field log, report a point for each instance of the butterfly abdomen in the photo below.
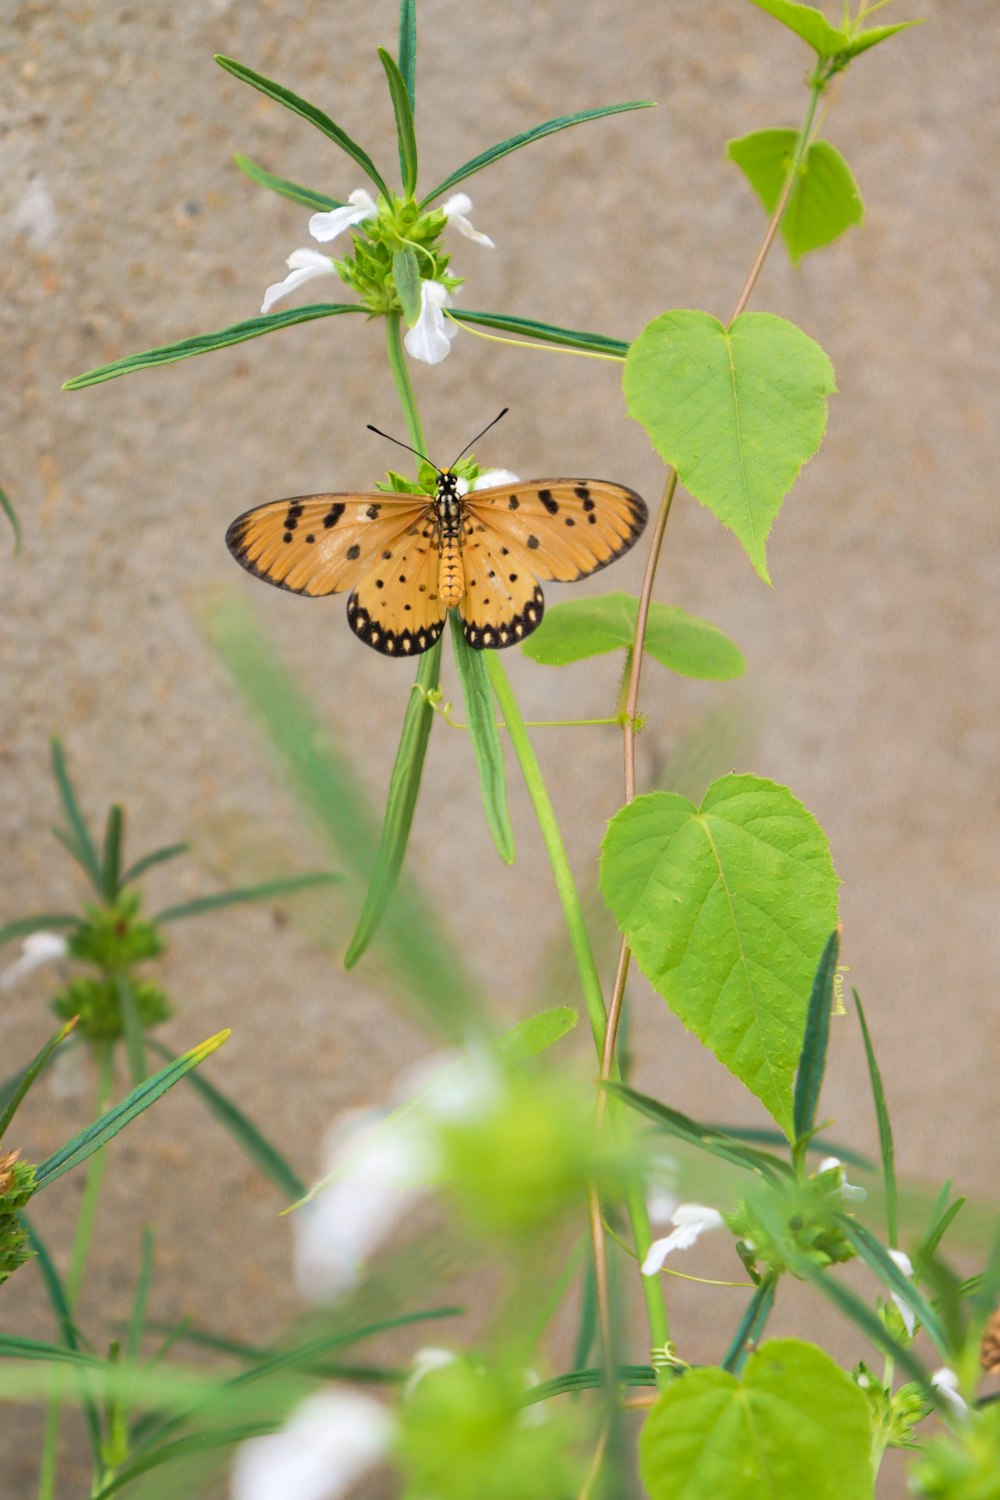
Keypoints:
(451, 576)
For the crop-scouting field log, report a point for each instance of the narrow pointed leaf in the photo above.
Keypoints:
(581, 628)
(939, 1227)
(751, 1326)
(203, 343)
(23, 927)
(704, 1137)
(875, 34)
(265, 1156)
(281, 185)
(14, 1090)
(404, 788)
(8, 509)
(550, 333)
(156, 857)
(514, 142)
(267, 890)
(137, 1317)
(128, 1007)
(587, 1380)
(12, 1347)
(181, 1448)
(308, 112)
(862, 1316)
(536, 1033)
(408, 47)
(825, 199)
(402, 106)
(886, 1147)
(406, 279)
(726, 908)
(112, 861)
(812, 1058)
(103, 1130)
(885, 1268)
(737, 411)
(80, 839)
(486, 746)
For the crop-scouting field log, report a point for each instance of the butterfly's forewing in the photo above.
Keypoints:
(323, 544)
(502, 603)
(396, 607)
(564, 528)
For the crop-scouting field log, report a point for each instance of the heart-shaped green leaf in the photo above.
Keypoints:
(736, 410)
(727, 908)
(796, 1424)
(825, 199)
(589, 627)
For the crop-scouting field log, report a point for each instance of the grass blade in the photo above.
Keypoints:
(531, 328)
(266, 1158)
(885, 1268)
(938, 1229)
(751, 1325)
(25, 926)
(157, 857)
(402, 106)
(404, 788)
(812, 1058)
(103, 1130)
(111, 864)
(202, 343)
(56, 1293)
(864, 1318)
(408, 47)
(486, 746)
(586, 1380)
(525, 138)
(281, 185)
(886, 1147)
(79, 841)
(11, 514)
(15, 1088)
(285, 885)
(299, 106)
(705, 1137)
(132, 1036)
(137, 1319)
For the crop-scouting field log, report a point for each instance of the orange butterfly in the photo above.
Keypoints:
(408, 559)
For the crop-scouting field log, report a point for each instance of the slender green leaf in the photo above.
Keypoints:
(587, 1330)
(406, 279)
(485, 736)
(19, 1348)
(819, 1145)
(886, 1147)
(281, 185)
(408, 47)
(103, 1130)
(404, 788)
(23, 927)
(132, 1036)
(80, 840)
(885, 1268)
(402, 105)
(582, 628)
(8, 509)
(536, 1033)
(587, 1380)
(193, 1443)
(726, 908)
(308, 112)
(812, 1058)
(514, 142)
(871, 37)
(202, 343)
(264, 1155)
(939, 1228)
(267, 890)
(704, 1137)
(796, 1424)
(531, 328)
(111, 863)
(737, 411)
(825, 199)
(14, 1089)
(137, 1319)
(751, 1326)
(253, 1354)
(863, 1317)
(148, 861)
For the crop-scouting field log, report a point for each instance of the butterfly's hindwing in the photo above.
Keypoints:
(502, 603)
(568, 528)
(397, 606)
(323, 544)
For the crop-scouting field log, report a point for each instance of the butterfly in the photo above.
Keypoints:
(408, 559)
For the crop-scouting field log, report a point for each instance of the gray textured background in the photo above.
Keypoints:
(872, 682)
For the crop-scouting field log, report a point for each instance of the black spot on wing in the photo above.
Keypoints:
(509, 631)
(390, 642)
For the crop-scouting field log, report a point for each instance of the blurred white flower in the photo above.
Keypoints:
(327, 225)
(848, 1191)
(902, 1260)
(328, 1442)
(424, 1361)
(305, 265)
(945, 1382)
(430, 337)
(37, 949)
(690, 1221)
(456, 207)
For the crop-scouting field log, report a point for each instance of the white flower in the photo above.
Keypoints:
(902, 1260)
(430, 337)
(488, 480)
(359, 206)
(848, 1190)
(328, 1442)
(690, 1220)
(424, 1361)
(38, 948)
(945, 1382)
(456, 207)
(305, 264)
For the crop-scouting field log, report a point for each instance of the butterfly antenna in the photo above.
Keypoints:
(415, 451)
(478, 436)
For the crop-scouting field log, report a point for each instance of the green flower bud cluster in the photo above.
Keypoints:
(965, 1466)
(426, 481)
(780, 1225)
(894, 1414)
(399, 224)
(17, 1183)
(114, 940)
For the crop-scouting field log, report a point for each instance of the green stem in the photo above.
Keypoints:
(401, 375)
(74, 1277)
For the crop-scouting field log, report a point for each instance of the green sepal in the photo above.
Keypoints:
(485, 736)
(406, 280)
(202, 343)
(402, 106)
(281, 185)
(525, 138)
(824, 201)
(308, 112)
(581, 628)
